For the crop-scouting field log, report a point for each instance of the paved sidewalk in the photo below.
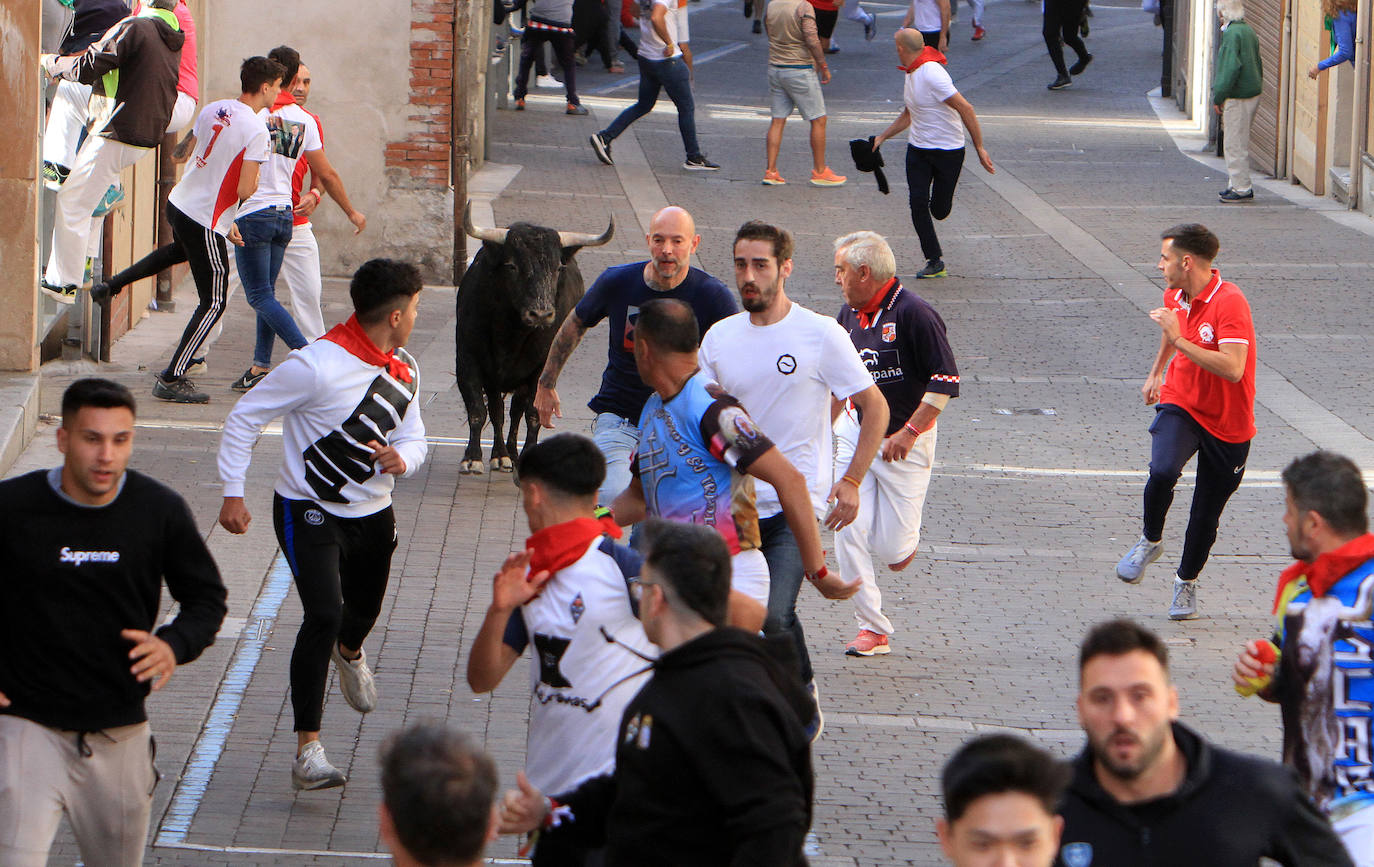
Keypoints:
(1039, 471)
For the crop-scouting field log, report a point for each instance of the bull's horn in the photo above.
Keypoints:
(496, 236)
(586, 239)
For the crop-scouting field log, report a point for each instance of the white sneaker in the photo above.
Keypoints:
(313, 771)
(1131, 568)
(547, 81)
(1184, 606)
(355, 680)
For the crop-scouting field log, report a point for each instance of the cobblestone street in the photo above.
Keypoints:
(1039, 470)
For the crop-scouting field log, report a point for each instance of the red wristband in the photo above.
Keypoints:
(916, 432)
(819, 575)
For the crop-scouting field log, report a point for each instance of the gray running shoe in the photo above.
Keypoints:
(1131, 568)
(355, 680)
(1184, 606)
(178, 391)
(313, 771)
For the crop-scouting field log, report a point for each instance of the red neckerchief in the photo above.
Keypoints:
(927, 54)
(874, 304)
(284, 97)
(562, 545)
(1328, 568)
(351, 336)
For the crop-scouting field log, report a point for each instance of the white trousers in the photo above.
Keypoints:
(888, 526)
(855, 12)
(66, 119)
(300, 269)
(1357, 833)
(98, 165)
(749, 575)
(1236, 117)
(182, 113)
(102, 780)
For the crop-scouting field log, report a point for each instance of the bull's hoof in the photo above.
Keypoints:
(472, 468)
(502, 465)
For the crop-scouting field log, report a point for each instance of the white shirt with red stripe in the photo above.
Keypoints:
(227, 132)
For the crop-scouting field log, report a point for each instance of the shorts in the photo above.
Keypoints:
(795, 87)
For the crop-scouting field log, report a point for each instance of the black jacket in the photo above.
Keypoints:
(1230, 811)
(133, 73)
(712, 765)
(72, 577)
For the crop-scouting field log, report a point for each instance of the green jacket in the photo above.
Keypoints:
(1238, 74)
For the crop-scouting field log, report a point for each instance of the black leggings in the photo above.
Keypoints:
(150, 265)
(204, 249)
(931, 176)
(1176, 437)
(341, 567)
(1061, 28)
(825, 24)
(531, 44)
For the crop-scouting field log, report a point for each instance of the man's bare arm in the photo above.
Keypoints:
(182, 152)
(545, 393)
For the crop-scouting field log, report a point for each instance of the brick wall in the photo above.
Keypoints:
(422, 156)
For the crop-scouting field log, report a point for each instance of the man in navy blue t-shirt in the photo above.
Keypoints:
(616, 296)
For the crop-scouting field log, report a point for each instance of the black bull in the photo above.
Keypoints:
(516, 293)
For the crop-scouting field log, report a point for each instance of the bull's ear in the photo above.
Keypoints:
(569, 252)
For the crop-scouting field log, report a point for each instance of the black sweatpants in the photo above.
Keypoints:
(1061, 28)
(208, 256)
(931, 176)
(150, 265)
(341, 567)
(825, 24)
(1175, 436)
(530, 44)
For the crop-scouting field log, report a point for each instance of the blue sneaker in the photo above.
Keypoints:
(113, 198)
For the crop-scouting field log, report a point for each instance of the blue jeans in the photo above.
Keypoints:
(785, 574)
(670, 75)
(265, 236)
(1174, 438)
(617, 438)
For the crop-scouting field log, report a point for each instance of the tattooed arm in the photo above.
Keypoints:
(546, 394)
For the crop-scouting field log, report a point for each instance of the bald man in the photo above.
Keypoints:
(616, 296)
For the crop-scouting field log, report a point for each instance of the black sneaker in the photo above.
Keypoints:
(700, 164)
(178, 391)
(579, 110)
(248, 380)
(1233, 196)
(933, 268)
(1082, 64)
(54, 175)
(1060, 82)
(60, 294)
(1223, 192)
(758, 26)
(602, 148)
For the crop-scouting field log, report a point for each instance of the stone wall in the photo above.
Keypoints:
(382, 86)
(20, 105)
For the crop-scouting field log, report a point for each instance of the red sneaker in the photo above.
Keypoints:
(978, 32)
(868, 643)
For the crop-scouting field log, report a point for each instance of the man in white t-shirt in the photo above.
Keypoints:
(661, 67)
(937, 115)
(227, 146)
(931, 19)
(791, 368)
(572, 595)
(269, 207)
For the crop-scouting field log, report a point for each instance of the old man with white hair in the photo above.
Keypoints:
(1236, 86)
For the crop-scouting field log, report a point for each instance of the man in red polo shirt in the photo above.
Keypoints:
(1206, 407)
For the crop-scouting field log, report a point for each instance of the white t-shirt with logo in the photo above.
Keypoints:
(650, 46)
(784, 375)
(933, 123)
(227, 133)
(925, 15)
(292, 133)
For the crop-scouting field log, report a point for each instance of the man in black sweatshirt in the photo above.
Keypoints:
(86, 549)
(1147, 790)
(712, 765)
